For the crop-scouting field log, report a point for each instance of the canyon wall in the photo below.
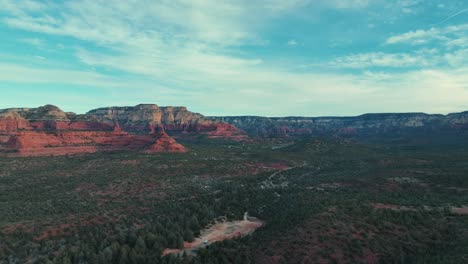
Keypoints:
(358, 125)
(48, 130)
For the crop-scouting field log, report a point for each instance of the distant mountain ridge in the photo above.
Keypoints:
(48, 130)
(363, 124)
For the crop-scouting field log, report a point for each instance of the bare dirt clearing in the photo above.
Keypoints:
(217, 233)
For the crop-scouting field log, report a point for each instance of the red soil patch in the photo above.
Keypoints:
(12, 228)
(69, 225)
(392, 207)
(62, 230)
(68, 228)
(385, 206)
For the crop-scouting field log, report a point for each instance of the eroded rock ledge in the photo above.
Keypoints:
(48, 130)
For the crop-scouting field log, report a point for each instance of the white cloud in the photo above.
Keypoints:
(20, 6)
(413, 37)
(208, 21)
(33, 41)
(255, 92)
(380, 59)
(451, 43)
(424, 58)
(195, 60)
(348, 3)
(418, 37)
(458, 58)
(292, 42)
(38, 57)
(461, 42)
(10, 72)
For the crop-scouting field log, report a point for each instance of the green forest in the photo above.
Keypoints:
(323, 200)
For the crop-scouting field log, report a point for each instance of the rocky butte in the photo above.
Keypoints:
(48, 130)
(142, 118)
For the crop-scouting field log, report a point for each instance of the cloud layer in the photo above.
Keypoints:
(225, 57)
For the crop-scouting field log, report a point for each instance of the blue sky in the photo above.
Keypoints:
(245, 57)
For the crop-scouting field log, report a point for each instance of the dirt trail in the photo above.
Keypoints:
(216, 233)
(268, 183)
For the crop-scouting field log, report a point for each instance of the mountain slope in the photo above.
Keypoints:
(363, 124)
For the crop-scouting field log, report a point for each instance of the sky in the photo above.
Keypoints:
(243, 57)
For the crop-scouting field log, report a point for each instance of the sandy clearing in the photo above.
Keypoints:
(218, 232)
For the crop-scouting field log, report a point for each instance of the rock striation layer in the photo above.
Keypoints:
(358, 125)
(48, 130)
(141, 119)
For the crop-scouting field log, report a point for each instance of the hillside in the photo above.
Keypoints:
(358, 125)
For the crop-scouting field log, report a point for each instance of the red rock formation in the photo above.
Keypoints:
(143, 118)
(164, 143)
(224, 130)
(61, 136)
(32, 143)
(91, 126)
(117, 128)
(12, 121)
(50, 125)
(48, 130)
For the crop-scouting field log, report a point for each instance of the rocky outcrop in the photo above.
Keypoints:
(359, 125)
(32, 143)
(141, 119)
(11, 121)
(48, 130)
(164, 143)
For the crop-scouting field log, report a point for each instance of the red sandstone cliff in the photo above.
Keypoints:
(12, 121)
(173, 119)
(165, 143)
(48, 130)
(32, 143)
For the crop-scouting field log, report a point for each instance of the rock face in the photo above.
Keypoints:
(141, 119)
(32, 143)
(48, 130)
(359, 125)
(164, 143)
(11, 121)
